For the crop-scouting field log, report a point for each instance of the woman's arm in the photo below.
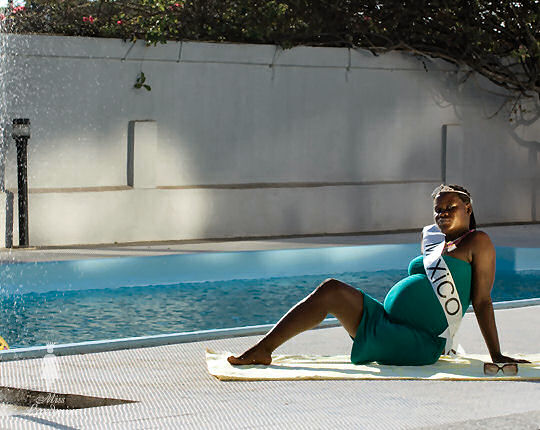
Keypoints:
(483, 276)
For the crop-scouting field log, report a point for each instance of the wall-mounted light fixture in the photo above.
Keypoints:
(21, 134)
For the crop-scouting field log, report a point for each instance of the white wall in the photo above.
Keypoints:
(250, 140)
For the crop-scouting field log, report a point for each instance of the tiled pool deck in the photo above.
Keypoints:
(173, 389)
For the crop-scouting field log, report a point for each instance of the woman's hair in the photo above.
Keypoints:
(462, 193)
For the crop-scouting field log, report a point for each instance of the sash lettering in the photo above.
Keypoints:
(433, 241)
(437, 267)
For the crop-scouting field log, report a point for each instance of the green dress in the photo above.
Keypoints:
(404, 330)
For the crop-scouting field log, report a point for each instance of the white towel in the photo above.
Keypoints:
(298, 367)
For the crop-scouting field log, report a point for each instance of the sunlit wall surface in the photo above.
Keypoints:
(244, 140)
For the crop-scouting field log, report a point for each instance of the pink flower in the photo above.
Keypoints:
(119, 22)
(18, 9)
(2, 17)
(90, 18)
(85, 19)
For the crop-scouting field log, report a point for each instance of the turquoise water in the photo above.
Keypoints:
(106, 313)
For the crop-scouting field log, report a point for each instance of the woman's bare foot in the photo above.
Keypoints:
(254, 355)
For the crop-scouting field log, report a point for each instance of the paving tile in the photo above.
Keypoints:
(173, 388)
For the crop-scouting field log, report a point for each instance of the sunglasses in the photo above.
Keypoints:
(508, 369)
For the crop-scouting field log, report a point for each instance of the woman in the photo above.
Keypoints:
(406, 329)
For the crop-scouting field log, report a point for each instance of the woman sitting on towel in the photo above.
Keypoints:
(421, 313)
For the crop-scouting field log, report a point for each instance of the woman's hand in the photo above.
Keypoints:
(499, 358)
(483, 271)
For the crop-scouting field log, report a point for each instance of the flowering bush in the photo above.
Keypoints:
(498, 39)
(160, 20)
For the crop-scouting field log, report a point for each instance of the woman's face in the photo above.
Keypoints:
(451, 214)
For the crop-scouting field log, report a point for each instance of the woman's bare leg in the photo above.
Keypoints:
(334, 297)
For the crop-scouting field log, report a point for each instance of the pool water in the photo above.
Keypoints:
(75, 316)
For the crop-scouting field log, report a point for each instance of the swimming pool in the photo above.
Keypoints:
(89, 300)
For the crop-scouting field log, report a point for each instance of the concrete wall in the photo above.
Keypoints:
(245, 140)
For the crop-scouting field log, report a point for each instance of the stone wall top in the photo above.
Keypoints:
(249, 54)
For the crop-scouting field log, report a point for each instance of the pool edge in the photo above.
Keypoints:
(107, 345)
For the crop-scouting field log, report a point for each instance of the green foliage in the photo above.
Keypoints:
(157, 21)
(498, 39)
(140, 82)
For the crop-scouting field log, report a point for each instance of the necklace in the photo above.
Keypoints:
(451, 245)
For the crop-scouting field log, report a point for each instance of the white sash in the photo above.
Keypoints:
(433, 242)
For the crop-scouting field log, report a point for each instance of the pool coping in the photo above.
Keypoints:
(106, 345)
